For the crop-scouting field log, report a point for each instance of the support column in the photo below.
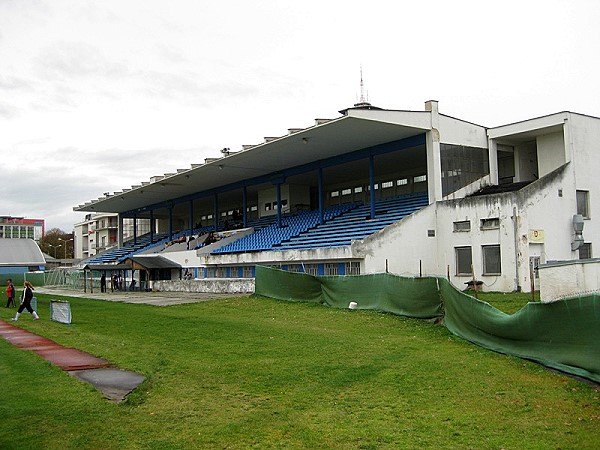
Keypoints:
(216, 212)
(170, 223)
(120, 234)
(493, 160)
(372, 184)
(245, 206)
(568, 139)
(278, 188)
(321, 196)
(152, 226)
(135, 229)
(432, 143)
(191, 218)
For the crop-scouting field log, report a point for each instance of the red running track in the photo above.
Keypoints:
(68, 359)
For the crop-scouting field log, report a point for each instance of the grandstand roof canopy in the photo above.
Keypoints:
(107, 267)
(356, 129)
(20, 252)
(152, 262)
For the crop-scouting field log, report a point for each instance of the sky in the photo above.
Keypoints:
(97, 96)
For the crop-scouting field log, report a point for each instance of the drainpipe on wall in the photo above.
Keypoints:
(515, 219)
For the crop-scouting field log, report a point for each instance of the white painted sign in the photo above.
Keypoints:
(536, 236)
(60, 311)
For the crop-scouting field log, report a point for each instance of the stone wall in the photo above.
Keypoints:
(213, 285)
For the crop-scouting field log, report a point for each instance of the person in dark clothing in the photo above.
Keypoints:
(26, 302)
(10, 293)
(103, 282)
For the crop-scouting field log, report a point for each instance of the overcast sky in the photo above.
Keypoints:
(96, 96)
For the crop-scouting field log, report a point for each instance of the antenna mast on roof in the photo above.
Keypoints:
(363, 101)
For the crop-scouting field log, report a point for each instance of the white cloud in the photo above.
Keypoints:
(97, 96)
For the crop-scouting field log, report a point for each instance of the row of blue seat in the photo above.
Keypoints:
(357, 224)
(291, 225)
(342, 224)
(129, 247)
(144, 242)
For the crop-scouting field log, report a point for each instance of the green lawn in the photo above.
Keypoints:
(506, 302)
(258, 373)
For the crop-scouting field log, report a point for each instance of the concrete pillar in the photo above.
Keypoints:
(432, 143)
(493, 157)
(120, 235)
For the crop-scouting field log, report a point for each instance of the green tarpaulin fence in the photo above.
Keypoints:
(563, 335)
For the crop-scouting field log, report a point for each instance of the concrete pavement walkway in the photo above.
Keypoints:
(148, 298)
(114, 383)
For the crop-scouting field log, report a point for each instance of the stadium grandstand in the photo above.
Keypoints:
(376, 190)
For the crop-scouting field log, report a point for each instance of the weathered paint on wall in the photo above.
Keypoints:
(213, 286)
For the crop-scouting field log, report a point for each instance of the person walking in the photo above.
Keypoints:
(26, 302)
(10, 293)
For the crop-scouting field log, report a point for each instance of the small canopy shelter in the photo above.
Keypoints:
(152, 268)
(114, 269)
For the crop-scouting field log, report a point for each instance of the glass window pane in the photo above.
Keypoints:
(585, 251)
(582, 203)
(491, 260)
(463, 260)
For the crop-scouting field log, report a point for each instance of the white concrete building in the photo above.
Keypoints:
(100, 232)
(501, 200)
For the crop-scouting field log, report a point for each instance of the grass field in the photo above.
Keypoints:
(258, 373)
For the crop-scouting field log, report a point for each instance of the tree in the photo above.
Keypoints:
(57, 243)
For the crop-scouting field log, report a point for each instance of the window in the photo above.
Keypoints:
(335, 194)
(462, 225)
(267, 206)
(352, 268)
(346, 191)
(295, 268)
(492, 223)
(311, 269)
(387, 184)
(331, 269)
(358, 189)
(420, 178)
(247, 272)
(585, 251)
(491, 259)
(463, 261)
(461, 165)
(583, 204)
(402, 182)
